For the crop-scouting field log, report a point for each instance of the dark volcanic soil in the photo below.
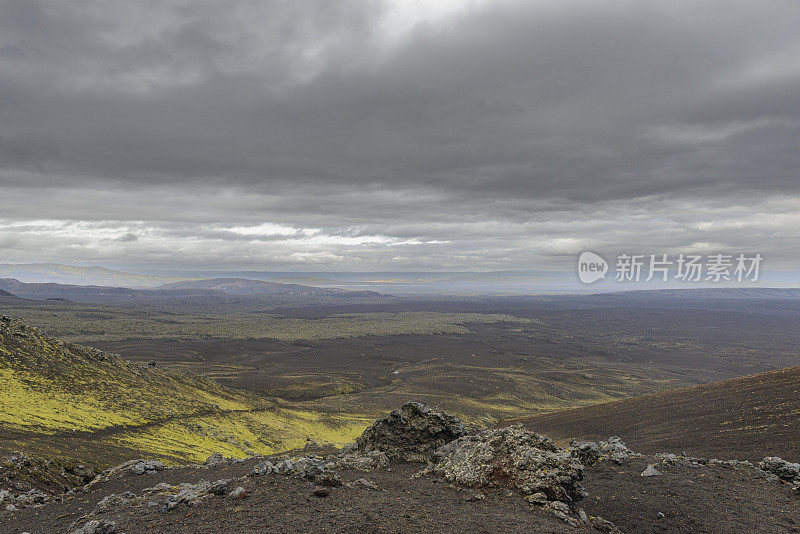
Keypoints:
(718, 500)
(279, 503)
(715, 500)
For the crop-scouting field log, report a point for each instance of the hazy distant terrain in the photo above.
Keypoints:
(219, 291)
(69, 274)
(484, 358)
(249, 368)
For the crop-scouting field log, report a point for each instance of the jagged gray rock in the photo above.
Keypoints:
(220, 487)
(781, 468)
(588, 452)
(238, 493)
(328, 479)
(146, 466)
(410, 434)
(651, 471)
(98, 527)
(363, 462)
(214, 459)
(113, 500)
(263, 468)
(305, 466)
(188, 493)
(533, 463)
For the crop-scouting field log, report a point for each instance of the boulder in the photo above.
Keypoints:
(532, 463)
(214, 459)
(410, 434)
(141, 467)
(651, 471)
(781, 468)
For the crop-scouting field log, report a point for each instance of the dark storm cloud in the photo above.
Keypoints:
(490, 127)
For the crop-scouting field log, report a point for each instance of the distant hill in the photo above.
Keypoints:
(219, 287)
(713, 293)
(5, 294)
(76, 292)
(243, 286)
(70, 274)
(748, 417)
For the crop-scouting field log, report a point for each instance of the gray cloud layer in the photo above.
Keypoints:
(500, 134)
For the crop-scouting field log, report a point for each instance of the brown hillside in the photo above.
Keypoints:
(748, 417)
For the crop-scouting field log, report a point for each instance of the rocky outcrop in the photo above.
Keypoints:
(410, 434)
(305, 467)
(788, 471)
(363, 462)
(532, 463)
(591, 452)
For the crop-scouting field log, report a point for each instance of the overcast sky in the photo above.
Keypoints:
(397, 135)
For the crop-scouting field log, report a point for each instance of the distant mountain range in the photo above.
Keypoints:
(419, 283)
(243, 286)
(714, 293)
(208, 288)
(5, 294)
(70, 291)
(83, 276)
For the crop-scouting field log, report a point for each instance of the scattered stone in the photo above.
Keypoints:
(158, 488)
(661, 515)
(220, 487)
(238, 493)
(11, 508)
(328, 479)
(476, 497)
(188, 493)
(263, 468)
(321, 491)
(363, 462)
(306, 467)
(97, 527)
(651, 471)
(410, 434)
(615, 450)
(588, 452)
(214, 459)
(31, 497)
(362, 483)
(141, 467)
(113, 500)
